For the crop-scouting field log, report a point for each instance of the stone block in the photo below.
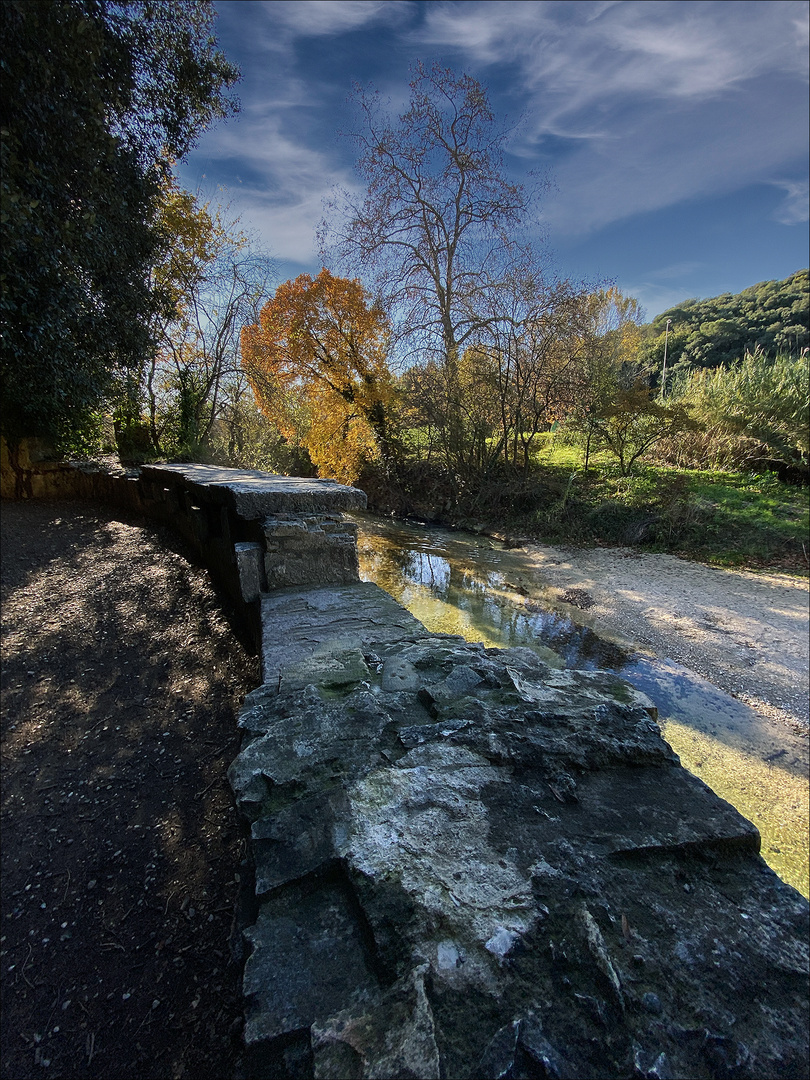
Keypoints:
(307, 961)
(309, 550)
(249, 568)
(253, 495)
(298, 623)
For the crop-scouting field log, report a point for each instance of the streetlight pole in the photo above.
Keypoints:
(664, 372)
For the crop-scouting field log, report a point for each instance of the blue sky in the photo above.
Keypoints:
(675, 133)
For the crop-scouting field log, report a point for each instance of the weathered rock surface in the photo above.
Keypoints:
(309, 549)
(469, 864)
(301, 623)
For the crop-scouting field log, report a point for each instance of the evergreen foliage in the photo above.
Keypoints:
(97, 98)
(771, 316)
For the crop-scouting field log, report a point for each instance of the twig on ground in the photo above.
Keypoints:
(215, 753)
(25, 965)
(205, 790)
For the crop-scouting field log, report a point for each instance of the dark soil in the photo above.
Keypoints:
(121, 847)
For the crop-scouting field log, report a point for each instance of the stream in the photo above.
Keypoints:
(459, 583)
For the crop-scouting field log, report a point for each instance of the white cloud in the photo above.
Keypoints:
(794, 208)
(281, 181)
(675, 271)
(662, 158)
(325, 17)
(586, 59)
(658, 101)
(655, 298)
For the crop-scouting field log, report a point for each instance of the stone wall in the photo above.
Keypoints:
(464, 863)
(253, 530)
(469, 864)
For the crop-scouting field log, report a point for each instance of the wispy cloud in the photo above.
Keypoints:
(278, 180)
(675, 271)
(654, 297)
(634, 106)
(667, 101)
(315, 18)
(794, 207)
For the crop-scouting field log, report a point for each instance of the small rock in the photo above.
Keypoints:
(501, 941)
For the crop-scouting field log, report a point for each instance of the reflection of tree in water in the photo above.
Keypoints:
(397, 559)
(432, 571)
(579, 646)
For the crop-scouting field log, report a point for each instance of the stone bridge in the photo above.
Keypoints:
(465, 863)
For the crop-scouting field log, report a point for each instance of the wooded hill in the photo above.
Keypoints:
(771, 316)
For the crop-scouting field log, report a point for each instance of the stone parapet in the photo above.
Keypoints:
(255, 495)
(469, 864)
(299, 626)
(254, 531)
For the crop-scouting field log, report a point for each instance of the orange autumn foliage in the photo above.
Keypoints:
(320, 347)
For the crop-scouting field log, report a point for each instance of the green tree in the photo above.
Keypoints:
(633, 421)
(97, 97)
(764, 402)
(608, 337)
(771, 316)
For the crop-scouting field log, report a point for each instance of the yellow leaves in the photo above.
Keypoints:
(339, 442)
(322, 331)
(194, 237)
(320, 339)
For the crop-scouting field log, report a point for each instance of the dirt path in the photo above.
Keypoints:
(747, 633)
(121, 849)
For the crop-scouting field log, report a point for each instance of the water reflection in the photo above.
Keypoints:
(456, 583)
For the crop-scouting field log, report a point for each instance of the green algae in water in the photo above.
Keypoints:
(774, 799)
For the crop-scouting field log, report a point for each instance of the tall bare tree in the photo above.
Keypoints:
(439, 226)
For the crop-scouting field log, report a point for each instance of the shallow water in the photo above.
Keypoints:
(457, 583)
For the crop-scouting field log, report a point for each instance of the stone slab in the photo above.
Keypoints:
(533, 885)
(254, 495)
(308, 961)
(309, 550)
(298, 624)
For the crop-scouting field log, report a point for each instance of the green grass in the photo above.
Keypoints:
(732, 519)
(553, 452)
(729, 519)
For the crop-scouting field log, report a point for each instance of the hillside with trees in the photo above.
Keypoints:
(771, 317)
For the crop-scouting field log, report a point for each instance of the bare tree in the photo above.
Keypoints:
(539, 339)
(439, 227)
(216, 284)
